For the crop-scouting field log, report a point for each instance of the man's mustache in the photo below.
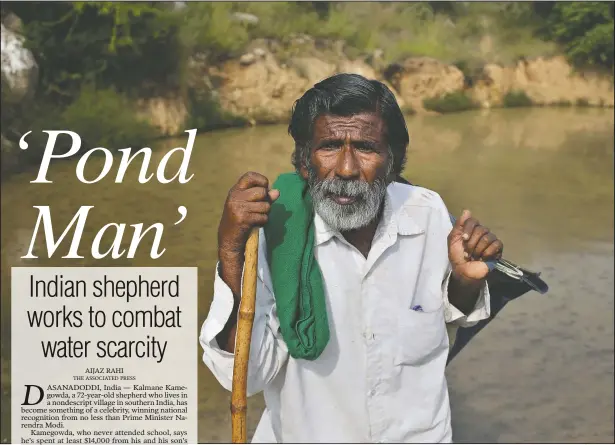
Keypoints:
(343, 187)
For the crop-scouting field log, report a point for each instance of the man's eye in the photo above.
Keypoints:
(365, 149)
(330, 147)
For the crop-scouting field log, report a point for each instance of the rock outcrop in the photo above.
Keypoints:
(546, 81)
(19, 81)
(420, 78)
(19, 69)
(262, 89)
(259, 88)
(167, 114)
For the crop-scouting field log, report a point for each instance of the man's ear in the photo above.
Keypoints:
(304, 172)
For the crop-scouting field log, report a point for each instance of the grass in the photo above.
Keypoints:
(514, 99)
(484, 33)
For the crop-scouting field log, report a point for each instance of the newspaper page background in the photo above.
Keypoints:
(97, 398)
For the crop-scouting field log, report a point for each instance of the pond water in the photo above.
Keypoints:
(541, 179)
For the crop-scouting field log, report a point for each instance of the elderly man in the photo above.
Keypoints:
(367, 366)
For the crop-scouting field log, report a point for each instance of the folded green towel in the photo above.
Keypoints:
(297, 281)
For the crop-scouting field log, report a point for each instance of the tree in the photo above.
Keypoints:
(103, 43)
(585, 29)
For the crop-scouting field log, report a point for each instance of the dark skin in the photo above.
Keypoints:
(350, 148)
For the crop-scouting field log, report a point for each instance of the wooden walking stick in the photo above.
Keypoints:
(243, 338)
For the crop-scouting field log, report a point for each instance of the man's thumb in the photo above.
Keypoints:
(273, 194)
(465, 215)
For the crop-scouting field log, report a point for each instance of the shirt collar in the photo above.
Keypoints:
(396, 218)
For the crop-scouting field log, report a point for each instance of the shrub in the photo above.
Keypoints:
(582, 102)
(450, 103)
(106, 118)
(514, 99)
(206, 114)
(208, 27)
(102, 118)
(563, 103)
(585, 29)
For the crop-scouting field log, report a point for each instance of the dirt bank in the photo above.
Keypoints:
(261, 86)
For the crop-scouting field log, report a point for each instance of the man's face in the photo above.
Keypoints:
(348, 169)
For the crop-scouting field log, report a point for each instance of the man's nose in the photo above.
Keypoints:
(347, 164)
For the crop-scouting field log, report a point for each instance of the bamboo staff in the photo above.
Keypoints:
(243, 338)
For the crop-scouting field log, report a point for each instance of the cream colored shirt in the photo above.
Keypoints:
(381, 377)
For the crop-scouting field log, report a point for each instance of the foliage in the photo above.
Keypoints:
(141, 47)
(514, 99)
(209, 27)
(585, 29)
(106, 118)
(397, 27)
(87, 51)
(102, 118)
(101, 43)
(205, 113)
(450, 103)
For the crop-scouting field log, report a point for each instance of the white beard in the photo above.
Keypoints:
(345, 217)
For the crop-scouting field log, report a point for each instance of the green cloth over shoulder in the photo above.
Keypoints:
(297, 280)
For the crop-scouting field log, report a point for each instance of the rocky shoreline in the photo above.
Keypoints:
(260, 86)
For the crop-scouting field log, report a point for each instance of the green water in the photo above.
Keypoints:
(541, 179)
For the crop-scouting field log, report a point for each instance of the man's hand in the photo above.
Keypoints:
(247, 206)
(469, 245)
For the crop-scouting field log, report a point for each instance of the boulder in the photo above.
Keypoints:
(245, 18)
(19, 81)
(262, 91)
(362, 68)
(419, 78)
(247, 59)
(357, 67)
(19, 68)
(312, 69)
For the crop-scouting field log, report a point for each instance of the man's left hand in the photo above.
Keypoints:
(469, 245)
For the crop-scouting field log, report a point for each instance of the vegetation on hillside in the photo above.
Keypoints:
(129, 49)
(584, 29)
(142, 45)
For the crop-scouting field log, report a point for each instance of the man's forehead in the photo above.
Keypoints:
(365, 124)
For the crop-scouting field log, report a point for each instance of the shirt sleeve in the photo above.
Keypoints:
(481, 311)
(454, 316)
(268, 352)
